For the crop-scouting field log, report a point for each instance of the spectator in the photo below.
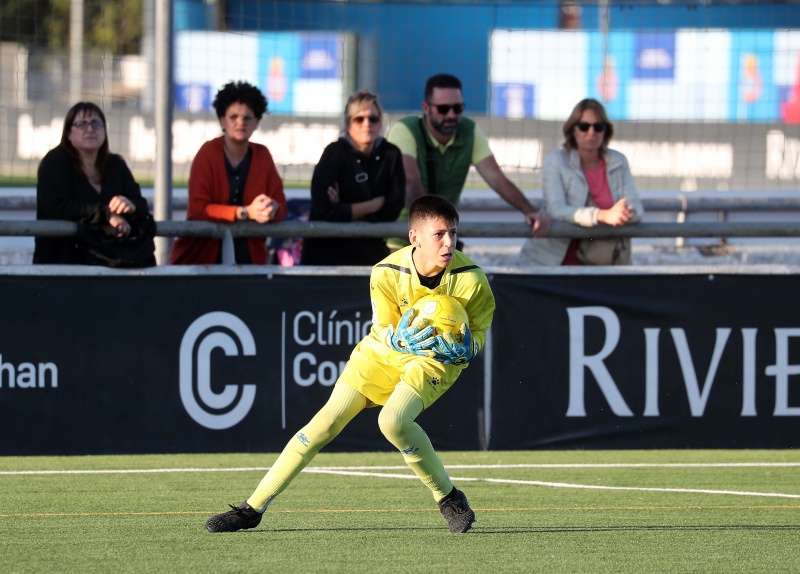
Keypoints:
(232, 179)
(358, 178)
(569, 15)
(586, 183)
(81, 180)
(439, 147)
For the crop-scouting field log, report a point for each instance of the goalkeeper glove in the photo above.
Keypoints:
(410, 339)
(455, 348)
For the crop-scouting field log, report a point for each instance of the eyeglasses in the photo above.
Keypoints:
(599, 127)
(444, 109)
(233, 118)
(94, 124)
(360, 119)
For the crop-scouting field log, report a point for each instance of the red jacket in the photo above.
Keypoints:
(209, 196)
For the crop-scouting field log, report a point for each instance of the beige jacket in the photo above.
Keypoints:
(565, 193)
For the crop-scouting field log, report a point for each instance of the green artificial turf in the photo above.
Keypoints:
(658, 511)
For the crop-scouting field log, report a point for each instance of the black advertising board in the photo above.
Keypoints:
(171, 362)
(646, 361)
(135, 364)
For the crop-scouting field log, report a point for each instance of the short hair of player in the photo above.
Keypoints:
(431, 207)
(240, 93)
(441, 81)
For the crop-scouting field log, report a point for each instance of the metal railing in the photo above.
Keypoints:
(682, 203)
(227, 232)
(680, 229)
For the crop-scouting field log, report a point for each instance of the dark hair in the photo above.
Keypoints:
(431, 207)
(240, 93)
(441, 81)
(569, 126)
(74, 156)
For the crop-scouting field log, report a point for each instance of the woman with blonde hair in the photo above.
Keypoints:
(359, 177)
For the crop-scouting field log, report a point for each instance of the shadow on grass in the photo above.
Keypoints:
(543, 529)
(339, 529)
(641, 528)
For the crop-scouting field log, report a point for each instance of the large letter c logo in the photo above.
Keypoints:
(209, 332)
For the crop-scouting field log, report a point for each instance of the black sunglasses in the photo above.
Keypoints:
(599, 127)
(360, 119)
(444, 109)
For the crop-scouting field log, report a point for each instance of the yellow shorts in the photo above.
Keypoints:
(374, 370)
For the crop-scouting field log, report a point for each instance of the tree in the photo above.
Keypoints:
(110, 26)
(23, 21)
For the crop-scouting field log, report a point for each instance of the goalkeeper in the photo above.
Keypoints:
(400, 366)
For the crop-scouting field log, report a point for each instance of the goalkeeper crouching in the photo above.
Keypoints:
(402, 367)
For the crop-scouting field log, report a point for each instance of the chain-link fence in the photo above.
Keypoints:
(703, 94)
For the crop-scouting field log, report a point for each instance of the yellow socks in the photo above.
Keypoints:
(396, 421)
(343, 404)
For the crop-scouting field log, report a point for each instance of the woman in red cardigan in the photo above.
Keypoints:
(232, 179)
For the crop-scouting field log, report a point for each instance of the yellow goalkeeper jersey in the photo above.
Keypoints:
(374, 367)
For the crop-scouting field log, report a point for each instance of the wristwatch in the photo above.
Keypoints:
(243, 213)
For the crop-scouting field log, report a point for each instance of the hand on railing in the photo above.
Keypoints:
(618, 214)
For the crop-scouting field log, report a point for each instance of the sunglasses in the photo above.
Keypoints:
(599, 127)
(360, 119)
(444, 109)
(94, 124)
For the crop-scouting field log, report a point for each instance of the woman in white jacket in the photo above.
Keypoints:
(588, 184)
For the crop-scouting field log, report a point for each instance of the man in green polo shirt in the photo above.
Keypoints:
(439, 147)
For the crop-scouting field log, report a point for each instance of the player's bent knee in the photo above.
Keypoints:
(392, 428)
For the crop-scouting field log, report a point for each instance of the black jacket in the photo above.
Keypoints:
(63, 194)
(341, 163)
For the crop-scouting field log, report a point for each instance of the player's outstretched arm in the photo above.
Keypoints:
(409, 339)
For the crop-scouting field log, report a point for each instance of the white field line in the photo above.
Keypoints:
(403, 467)
(134, 471)
(636, 465)
(558, 484)
(369, 471)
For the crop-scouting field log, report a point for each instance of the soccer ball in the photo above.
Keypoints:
(444, 313)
